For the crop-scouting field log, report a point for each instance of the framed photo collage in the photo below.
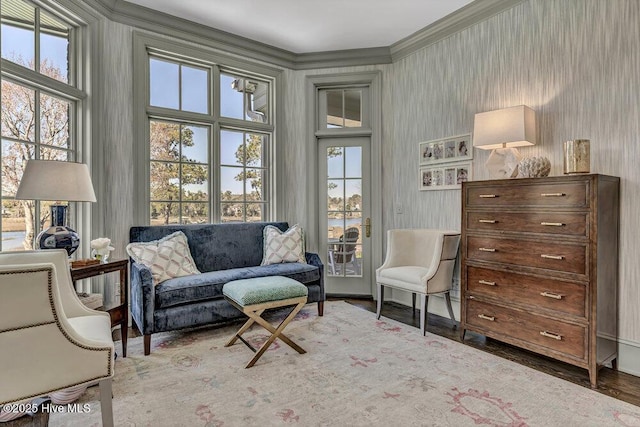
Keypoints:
(445, 163)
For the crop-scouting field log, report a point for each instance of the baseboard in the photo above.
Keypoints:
(628, 351)
(355, 296)
(629, 357)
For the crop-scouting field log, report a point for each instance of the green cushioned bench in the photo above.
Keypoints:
(254, 296)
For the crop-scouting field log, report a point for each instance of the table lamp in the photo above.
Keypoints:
(502, 131)
(53, 180)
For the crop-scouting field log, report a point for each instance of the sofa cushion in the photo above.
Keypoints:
(166, 258)
(206, 286)
(279, 246)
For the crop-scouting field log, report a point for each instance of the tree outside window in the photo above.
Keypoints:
(178, 173)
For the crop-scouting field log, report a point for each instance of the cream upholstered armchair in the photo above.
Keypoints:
(48, 339)
(420, 261)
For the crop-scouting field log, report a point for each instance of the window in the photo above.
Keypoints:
(178, 86)
(243, 98)
(38, 117)
(42, 47)
(343, 108)
(242, 176)
(210, 134)
(179, 173)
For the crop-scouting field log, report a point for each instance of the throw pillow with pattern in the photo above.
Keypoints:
(167, 258)
(281, 246)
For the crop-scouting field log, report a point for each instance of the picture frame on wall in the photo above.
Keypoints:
(451, 149)
(449, 176)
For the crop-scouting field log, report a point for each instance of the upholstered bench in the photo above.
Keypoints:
(254, 296)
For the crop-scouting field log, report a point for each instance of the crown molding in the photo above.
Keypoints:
(471, 14)
(159, 22)
(144, 18)
(342, 58)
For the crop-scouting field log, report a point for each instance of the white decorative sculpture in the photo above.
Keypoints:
(503, 163)
(534, 167)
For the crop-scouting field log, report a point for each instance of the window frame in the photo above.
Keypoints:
(265, 160)
(73, 91)
(322, 109)
(145, 46)
(180, 163)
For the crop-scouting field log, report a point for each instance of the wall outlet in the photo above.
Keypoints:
(399, 209)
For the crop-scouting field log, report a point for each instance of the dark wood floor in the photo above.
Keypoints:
(612, 383)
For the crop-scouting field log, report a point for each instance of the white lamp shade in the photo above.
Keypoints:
(57, 181)
(506, 128)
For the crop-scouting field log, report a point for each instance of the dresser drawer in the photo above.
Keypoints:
(528, 327)
(562, 297)
(557, 256)
(569, 224)
(557, 195)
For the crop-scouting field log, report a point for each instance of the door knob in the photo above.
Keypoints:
(367, 227)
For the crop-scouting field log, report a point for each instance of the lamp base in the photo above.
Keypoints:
(58, 237)
(503, 163)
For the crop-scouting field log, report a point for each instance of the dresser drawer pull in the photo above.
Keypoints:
(487, 221)
(552, 224)
(551, 295)
(486, 249)
(552, 195)
(551, 335)
(488, 196)
(485, 317)
(551, 256)
(485, 282)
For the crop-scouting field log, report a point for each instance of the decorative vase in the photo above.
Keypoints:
(101, 255)
(576, 156)
(58, 237)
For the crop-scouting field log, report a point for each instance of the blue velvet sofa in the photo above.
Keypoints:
(222, 253)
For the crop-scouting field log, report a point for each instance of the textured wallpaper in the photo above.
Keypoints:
(575, 62)
(116, 141)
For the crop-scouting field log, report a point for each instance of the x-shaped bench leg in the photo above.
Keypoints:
(255, 312)
(244, 329)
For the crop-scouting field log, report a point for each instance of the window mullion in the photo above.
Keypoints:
(215, 97)
(26, 77)
(37, 205)
(36, 125)
(215, 181)
(244, 172)
(180, 173)
(245, 107)
(72, 63)
(180, 87)
(36, 36)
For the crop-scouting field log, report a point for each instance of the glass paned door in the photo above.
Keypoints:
(344, 218)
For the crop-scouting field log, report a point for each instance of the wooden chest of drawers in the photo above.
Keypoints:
(540, 265)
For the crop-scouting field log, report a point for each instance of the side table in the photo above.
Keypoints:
(120, 312)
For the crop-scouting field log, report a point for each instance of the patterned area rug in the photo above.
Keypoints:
(357, 372)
